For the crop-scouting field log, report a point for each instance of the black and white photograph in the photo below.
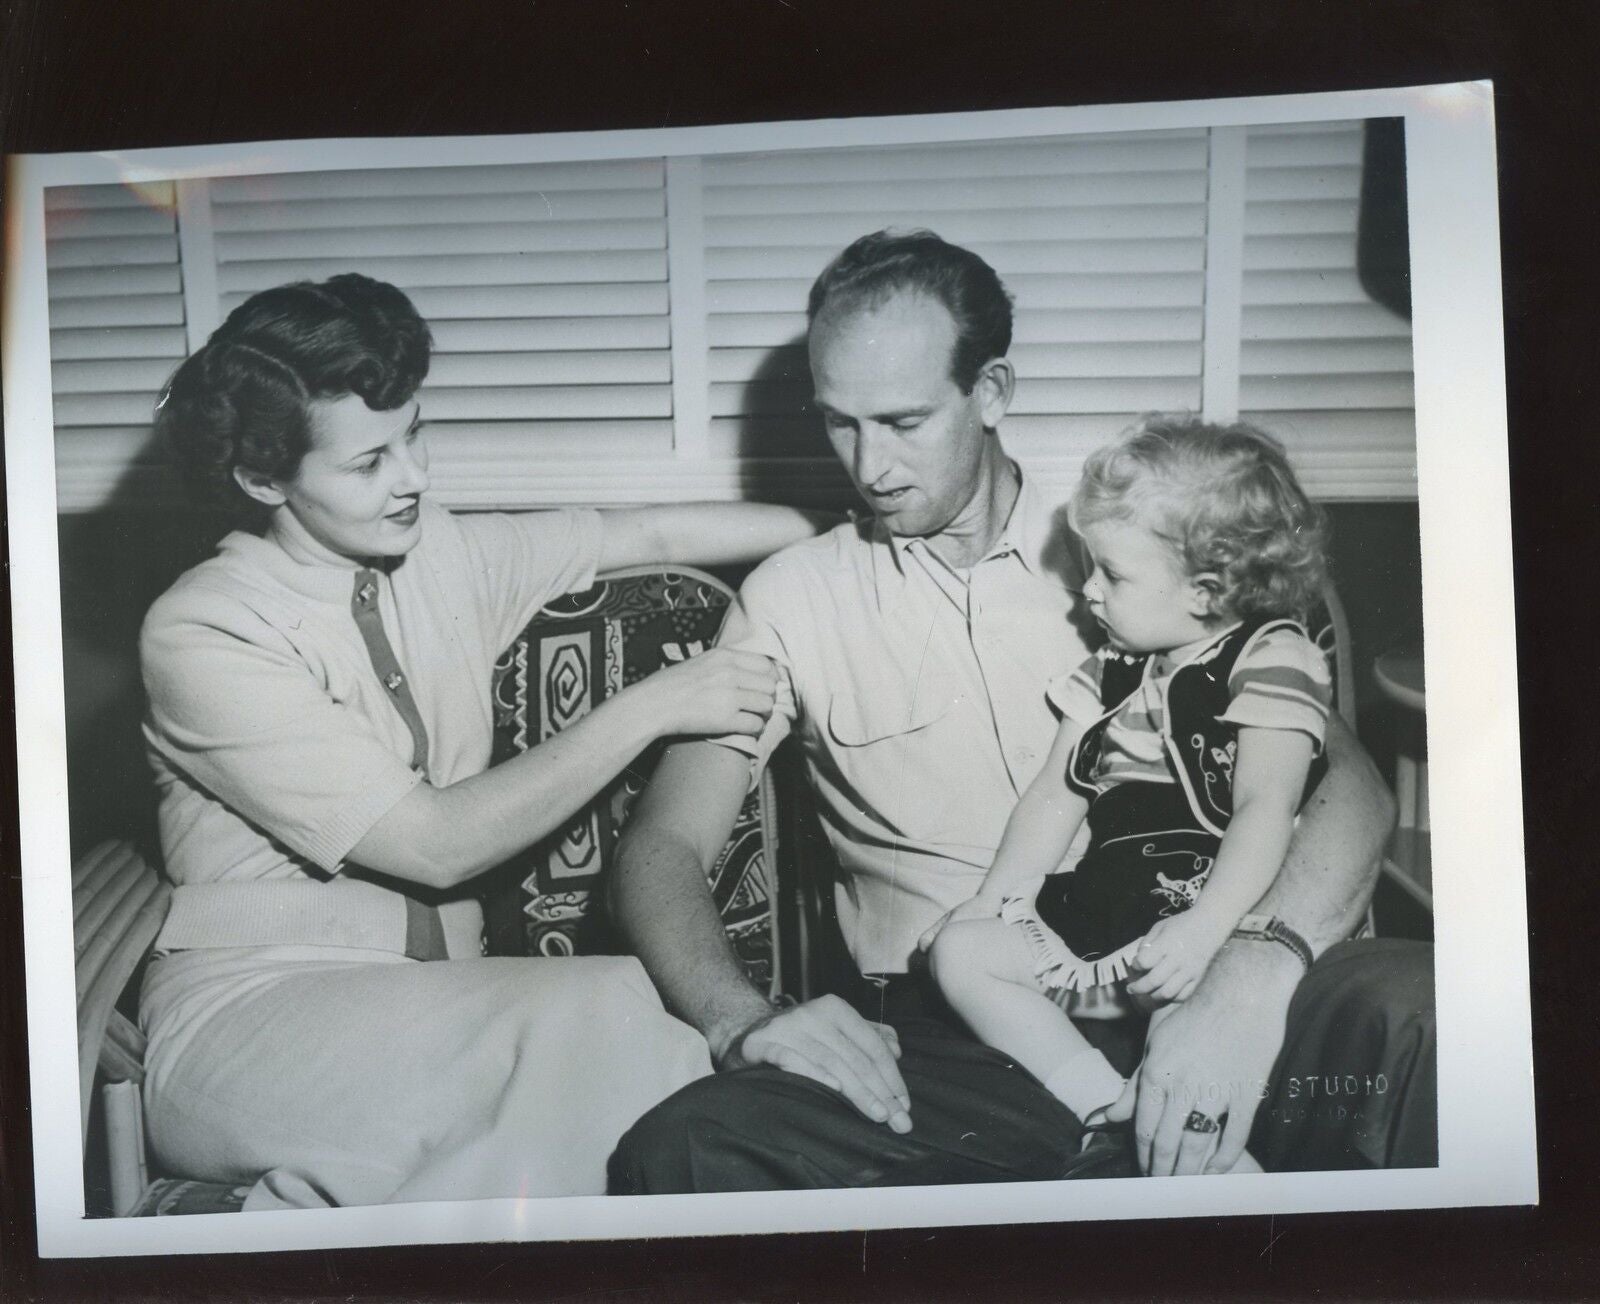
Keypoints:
(785, 676)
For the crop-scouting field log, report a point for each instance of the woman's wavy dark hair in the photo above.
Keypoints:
(244, 398)
(1224, 499)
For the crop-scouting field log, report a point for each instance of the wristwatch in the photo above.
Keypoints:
(1269, 928)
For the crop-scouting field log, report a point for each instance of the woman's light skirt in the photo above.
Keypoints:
(350, 1078)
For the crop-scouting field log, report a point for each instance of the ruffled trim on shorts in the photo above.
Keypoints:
(1054, 962)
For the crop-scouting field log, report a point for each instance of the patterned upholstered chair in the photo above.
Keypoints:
(574, 654)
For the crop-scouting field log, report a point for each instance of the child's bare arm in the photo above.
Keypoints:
(1269, 778)
(1037, 837)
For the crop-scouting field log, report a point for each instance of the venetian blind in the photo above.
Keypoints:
(1101, 240)
(116, 328)
(1321, 364)
(545, 287)
(580, 308)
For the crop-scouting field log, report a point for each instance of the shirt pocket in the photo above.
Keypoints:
(895, 750)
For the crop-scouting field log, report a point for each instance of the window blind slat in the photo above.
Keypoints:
(483, 443)
(431, 271)
(490, 179)
(1265, 185)
(116, 409)
(1307, 217)
(98, 282)
(1036, 395)
(1315, 392)
(512, 335)
(1272, 253)
(117, 342)
(1174, 151)
(126, 310)
(1302, 288)
(489, 238)
(1161, 290)
(1043, 361)
(1365, 320)
(110, 375)
(966, 226)
(1034, 326)
(68, 223)
(62, 201)
(803, 262)
(1306, 145)
(1316, 356)
(110, 251)
(1026, 435)
(1348, 435)
(493, 301)
(957, 194)
(600, 367)
(546, 402)
(535, 207)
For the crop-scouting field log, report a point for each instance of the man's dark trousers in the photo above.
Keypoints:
(1354, 1087)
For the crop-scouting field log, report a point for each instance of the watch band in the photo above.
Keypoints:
(1269, 928)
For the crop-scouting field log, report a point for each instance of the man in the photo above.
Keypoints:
(913, 650)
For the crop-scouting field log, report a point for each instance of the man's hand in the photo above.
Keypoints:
(1213, 1053)
(827, 1041)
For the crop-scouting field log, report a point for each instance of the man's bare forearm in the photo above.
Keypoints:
(1326, 882)
(1321, 892)
(662, 901)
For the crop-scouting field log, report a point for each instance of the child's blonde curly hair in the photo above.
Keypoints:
(1225, 500)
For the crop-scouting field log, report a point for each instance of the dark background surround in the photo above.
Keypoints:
(77, 75)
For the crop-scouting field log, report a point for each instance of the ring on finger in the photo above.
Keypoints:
(1201, 1122)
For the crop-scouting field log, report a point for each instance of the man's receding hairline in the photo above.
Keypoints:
(857, 303)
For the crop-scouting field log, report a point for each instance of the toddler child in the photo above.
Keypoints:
(1189, 741)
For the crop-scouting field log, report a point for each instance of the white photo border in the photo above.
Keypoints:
(1486, 1118)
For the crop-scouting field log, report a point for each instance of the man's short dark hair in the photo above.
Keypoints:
(243, 399)
(887, 262)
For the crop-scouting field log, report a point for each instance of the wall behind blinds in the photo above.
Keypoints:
(633, 330)
(116, 328)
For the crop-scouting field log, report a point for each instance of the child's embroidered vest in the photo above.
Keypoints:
(1200, 745)
(1151, 845)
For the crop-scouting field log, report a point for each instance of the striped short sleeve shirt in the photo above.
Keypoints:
(1280, 681)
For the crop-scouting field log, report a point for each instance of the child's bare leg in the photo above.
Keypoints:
(985, 969)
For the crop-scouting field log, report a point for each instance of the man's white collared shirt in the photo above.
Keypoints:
(917, 693)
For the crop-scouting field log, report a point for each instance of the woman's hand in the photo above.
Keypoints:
(717, 692)
(981, 906)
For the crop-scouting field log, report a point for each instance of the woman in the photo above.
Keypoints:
(320, 730)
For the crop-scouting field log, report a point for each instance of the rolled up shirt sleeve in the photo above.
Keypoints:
(236, 710)
(753, 625)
